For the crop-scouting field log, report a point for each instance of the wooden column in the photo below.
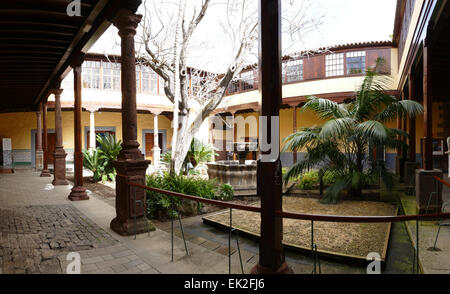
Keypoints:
(39, 153)
(45, 171)
(412, 122)
(269, 177)
(78, 191)
(59, 163)
(130, 165)
(428, 108)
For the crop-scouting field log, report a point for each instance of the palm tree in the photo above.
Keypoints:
(342, 143)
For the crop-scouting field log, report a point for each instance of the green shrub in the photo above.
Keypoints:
(226, 192)
(308, 180)
(330, 177)
(163, 206)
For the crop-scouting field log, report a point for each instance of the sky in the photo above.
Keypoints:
(344, 21)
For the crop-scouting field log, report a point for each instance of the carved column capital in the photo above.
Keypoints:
(77, 60)
(126, 22)
(56, 92)
(91, 109)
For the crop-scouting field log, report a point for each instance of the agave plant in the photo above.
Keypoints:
(198, 153)
(342, 143)
(93, 161)
(100, 160)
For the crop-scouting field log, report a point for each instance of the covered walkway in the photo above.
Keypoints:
(39, 226)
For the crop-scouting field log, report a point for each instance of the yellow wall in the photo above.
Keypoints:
(18, 126)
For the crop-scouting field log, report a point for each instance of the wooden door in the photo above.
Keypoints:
(51, 142)
(149, 143)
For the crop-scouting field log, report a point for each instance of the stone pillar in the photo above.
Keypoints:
(59, 163)
(45, 171)
(92, 136)
(130, 165)
(156, 149)
(269, 177)
(294, 130)
(425, 183)
(78, 191)
(39, 152)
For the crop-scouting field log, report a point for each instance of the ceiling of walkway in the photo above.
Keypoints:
(37, 41)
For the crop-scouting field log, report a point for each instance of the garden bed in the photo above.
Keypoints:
(346, 240)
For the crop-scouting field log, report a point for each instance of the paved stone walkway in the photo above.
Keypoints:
(32, 237)
(39, 226)
(431, 261)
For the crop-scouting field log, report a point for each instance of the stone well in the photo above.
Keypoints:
(241, 176)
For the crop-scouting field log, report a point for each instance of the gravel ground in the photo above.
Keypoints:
(342, 238)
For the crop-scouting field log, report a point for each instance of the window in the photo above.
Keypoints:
(91, 74)
(334, 65)
(111, 76)
(149, 80)
(138, 78)
(247, 80)
(116, 76)
(356, 62)
(293, 70)
(233, 86)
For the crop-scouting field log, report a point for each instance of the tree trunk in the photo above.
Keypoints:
(176, 80)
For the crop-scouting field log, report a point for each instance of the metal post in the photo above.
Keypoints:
(239, 251)
(417, 246)
(229, 241)
(182, 233)
(171, 233)
(134, 213)
(312, 247)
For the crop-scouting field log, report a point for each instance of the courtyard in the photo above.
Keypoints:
(135, 137)
(40, 228)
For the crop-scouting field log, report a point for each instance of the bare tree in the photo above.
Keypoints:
(176, 46)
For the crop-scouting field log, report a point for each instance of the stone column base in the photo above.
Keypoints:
(425, 185)
(410, 172)
(261, 270)
(46, 173)
(78, 194)
(59, 172)
(129, 227)
(39, 160)
(131, 201)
